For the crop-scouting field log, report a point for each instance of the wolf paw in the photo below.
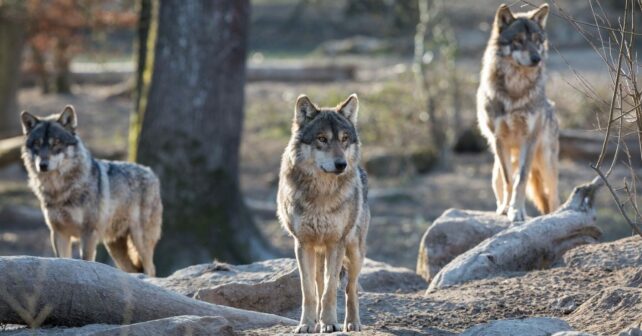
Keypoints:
(330, 328)
(305, 329)
(516, 215)
(502, 210)
(352, 327)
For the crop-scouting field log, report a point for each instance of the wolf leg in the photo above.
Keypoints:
(498, 187)
(355, 261)
(502, 160)
(145, 250)
(550, 177)
(516, 211)
(334, 254)
(118, 250)
(320, 260)
(61, 245)
(88, 243)
(305, 256)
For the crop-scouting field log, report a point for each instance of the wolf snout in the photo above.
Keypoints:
(43, 166)
(535, 59)
(340, 165)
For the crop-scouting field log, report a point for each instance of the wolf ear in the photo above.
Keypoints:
(68, 118)
(304, 110)
(504, 16)
(350, 108)
(540, 15)
(29, 121)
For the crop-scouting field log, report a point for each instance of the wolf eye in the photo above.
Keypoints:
(322, 139)
(345, 138)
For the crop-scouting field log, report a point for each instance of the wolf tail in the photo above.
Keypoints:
(536, 193)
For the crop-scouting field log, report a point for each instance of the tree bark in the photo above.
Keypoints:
(67, 292)
(190, 132)
(12, 39)
(535, 244)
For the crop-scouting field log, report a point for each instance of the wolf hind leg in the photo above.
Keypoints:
(61, 244)
(536, 191)
(144, 248)
(118, 250)
(355, 260)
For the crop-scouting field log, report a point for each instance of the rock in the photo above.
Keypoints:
(266, 286)
(626, 252)
(633, 331)
(173, 326)
(453, 233)
(536, 326)
(378, 277)
(609, 311)
(273, 286)
(565, 305)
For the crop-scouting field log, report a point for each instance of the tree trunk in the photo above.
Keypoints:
(190, 131)
(12, 39)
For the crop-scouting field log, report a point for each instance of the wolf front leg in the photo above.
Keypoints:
(88, 243)
(516, 209)
(305, 256)
(355, 261)
(334, 254)
(61, 244)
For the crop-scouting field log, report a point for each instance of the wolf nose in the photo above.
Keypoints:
(536, 59)
(340, 165)
(43, 167)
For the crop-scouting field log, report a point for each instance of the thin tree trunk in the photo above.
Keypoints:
(12, 39)
(190, 132)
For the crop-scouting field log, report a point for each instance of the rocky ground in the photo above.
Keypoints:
(594, 289)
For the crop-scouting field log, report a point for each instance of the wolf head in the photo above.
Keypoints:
(49, 141)
(326, 139)
(521, 37)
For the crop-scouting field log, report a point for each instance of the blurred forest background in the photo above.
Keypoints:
(204, 94)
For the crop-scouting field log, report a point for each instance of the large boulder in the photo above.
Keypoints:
(453, 233)
(614, 255)
(536, 326)
(273, 286)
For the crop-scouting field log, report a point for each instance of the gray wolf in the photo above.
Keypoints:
(515, 116)
(323, 204)
(88, 199)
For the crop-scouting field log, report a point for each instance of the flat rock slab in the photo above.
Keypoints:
(173, 326)
(536, 326)
(273, 286)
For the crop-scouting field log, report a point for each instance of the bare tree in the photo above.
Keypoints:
(12, 39)
(189, 130)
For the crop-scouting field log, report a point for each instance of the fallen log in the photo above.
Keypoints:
(10, 150)
(66, 292)
(535, 244)
(453, 233)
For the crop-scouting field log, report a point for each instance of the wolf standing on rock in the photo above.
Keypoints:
(515, 115)
(322, 203)
(88, 199)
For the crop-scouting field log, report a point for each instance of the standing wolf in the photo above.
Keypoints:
(88, 199)
(322, 203)
(515, 115)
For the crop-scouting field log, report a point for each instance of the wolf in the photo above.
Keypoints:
(515, 115)
(323, 204)
(88, 199)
